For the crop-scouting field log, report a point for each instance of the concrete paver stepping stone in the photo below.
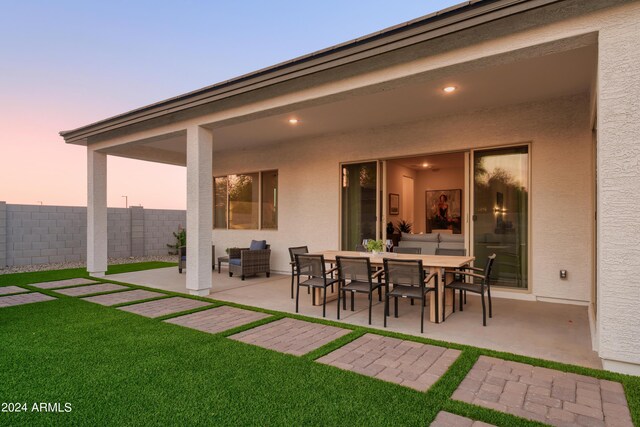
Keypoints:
(63, 283)
(447, 419)
(546, 395)
(91, 289)
(163, 307)
(20, 299)
(407, 363)
(218, 319)
(6, 290)
(291, 336)
(123, 297)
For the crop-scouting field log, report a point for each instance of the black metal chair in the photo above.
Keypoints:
(313, 267)
(407, 250)
(481, 286)
(355, 275)
(408, 280)
(454, 252)
(292, 254)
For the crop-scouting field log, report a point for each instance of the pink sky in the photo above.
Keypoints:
(65, 64)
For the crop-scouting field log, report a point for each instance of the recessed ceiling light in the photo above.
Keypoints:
(425, 165)
(294, 121)
(449, 89)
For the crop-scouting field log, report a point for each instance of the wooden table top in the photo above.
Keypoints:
(438, 261)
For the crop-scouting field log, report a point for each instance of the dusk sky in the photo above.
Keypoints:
(65, 64)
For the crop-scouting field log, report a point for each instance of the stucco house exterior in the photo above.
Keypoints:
(541, 114)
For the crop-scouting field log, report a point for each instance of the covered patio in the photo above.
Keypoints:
(557, 332)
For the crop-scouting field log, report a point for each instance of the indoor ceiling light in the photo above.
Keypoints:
(294, 121)
(425, 165)
(449, 89)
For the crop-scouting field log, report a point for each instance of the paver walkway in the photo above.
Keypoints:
(407, 363)
(447, 419)
(163, 307)
(20, 299)
(544, 395)
(91, 289)
(63, 283)
(6, 290)
(291, 336)
(122, 297)
(218, 319)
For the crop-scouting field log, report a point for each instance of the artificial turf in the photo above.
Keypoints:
(118, 368)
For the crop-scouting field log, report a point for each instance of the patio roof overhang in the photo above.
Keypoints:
(458, 27)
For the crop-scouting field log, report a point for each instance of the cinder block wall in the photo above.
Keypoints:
(34, 234)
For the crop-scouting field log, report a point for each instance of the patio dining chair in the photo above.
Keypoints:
(407, 250)
(408, 279)
(480, 284)
(454, 252)
(314, 268)
(292, 255)
(355, 276)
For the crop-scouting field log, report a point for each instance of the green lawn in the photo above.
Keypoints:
(118, 368)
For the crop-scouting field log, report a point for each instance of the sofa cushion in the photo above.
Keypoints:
(257, 245)
(429, 237)
(234, 261)
(452, 241)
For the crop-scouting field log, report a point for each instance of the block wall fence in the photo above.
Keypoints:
(34, 234)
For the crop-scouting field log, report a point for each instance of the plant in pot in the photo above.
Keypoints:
(404, 226)
(392, 233)
(181, 240)
(375, 246)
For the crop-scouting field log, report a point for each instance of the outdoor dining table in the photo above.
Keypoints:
(440, 263)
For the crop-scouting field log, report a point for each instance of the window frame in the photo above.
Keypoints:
(259, 201)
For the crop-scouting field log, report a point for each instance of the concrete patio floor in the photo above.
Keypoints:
(558, 332)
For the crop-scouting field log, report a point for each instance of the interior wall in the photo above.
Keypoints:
(562, 206)
(395, 172)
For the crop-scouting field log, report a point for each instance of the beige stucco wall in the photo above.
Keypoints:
(562, 182)
(619, 192)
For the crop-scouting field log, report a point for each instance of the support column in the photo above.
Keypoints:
(96, 213)
(618, 157)
(199, 209)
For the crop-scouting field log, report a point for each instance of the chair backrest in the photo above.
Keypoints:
(310, 265)
(354, 269)
(451, 252)
(361, 248)
(297, 250)
(406, 272)
(488, 267)
(407, 250)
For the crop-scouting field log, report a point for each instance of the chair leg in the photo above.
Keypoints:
(297, 296)
(292, 274)
(370, 306)
(461, 301)
(386, 309)
(411, 301)
(339, 291)
(324, 303)
(352, 300)
(242, 277)
(489, 295)
(395, 307)
(453, 296)
(484, 312)
(465, 297)
(380, 293)
(422, 316)
(444, 303)
(344, 300)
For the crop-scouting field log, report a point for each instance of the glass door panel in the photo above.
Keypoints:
(359, 203)
(501, 213)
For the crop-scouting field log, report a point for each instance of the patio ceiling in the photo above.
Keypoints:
(508, 80)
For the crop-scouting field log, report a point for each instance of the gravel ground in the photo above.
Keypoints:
(63, 265)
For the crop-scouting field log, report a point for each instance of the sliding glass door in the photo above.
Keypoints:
(359, 203)
(501, 213)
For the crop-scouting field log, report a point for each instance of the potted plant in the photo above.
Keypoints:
(392, 233)
(375, 246)
(181, 240)
(404, 226)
